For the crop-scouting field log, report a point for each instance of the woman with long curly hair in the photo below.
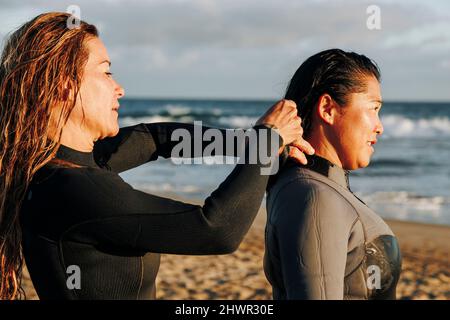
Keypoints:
(62, 202)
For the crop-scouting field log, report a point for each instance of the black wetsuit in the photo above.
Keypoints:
(322, 242)
(90, 218)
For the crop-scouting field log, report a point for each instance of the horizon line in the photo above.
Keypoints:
(265, 99)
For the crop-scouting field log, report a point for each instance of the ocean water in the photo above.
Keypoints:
(407, 179)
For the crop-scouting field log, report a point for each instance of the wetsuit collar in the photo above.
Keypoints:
(75, 156)
(328, 169)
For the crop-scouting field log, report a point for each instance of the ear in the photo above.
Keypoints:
(327, 109)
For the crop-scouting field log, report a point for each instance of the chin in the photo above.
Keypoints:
(358, 164)
(351, 167)
(114, 132)
(114, 128)
(364, 163)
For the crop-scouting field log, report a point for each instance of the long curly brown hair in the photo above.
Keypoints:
(40, 68)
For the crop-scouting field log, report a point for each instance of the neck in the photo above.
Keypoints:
(323, 147)
(76, 138)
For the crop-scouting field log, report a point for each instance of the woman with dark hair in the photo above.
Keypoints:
(63, 206)
(322, 242)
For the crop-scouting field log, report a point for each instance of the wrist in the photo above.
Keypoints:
(276, 130)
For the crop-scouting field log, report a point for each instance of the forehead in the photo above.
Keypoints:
(97, 51)
(371, 94)
(373, 88)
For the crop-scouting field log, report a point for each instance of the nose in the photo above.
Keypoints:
(379, 128)
(120, 91)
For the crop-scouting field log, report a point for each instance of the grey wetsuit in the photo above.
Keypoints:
(322, 242)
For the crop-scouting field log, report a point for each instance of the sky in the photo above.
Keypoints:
(249, 49)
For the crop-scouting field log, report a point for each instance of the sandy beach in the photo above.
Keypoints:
(425, 269)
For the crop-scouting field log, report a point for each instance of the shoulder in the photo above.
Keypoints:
(94, 180)
(81, 176)
(59, 198)
(75, 187)
(299, 197)
(298, 186)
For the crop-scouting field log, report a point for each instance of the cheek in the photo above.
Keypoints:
(364, 127)
(354, 136)
(371, 121)
(98, 116)
(98, 97)
(353, 131)
(350, 142)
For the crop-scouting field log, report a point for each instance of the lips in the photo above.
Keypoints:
(116, 108)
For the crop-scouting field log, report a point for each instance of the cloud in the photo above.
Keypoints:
(252, 47)
(435, 34)
(445, 64)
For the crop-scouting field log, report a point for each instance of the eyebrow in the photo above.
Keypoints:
(378, 100)
(109, 62)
